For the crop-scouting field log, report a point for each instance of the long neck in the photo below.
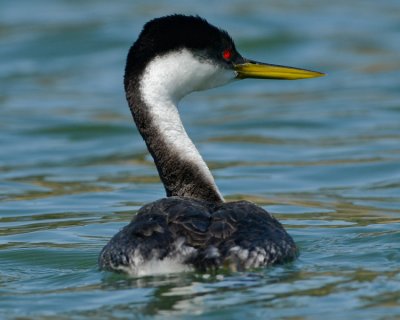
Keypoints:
(180, 166)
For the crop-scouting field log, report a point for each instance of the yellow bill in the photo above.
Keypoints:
(258, 70)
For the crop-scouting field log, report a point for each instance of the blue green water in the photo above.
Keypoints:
(323, 155)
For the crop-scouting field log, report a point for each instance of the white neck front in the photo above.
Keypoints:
(164, 82)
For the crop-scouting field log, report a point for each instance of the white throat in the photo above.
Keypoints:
(165, 81)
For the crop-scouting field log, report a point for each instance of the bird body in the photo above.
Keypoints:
(186, 233)
(193, 228)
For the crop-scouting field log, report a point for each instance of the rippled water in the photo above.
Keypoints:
(323, 155)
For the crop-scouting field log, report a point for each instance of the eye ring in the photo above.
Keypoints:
(227, 54)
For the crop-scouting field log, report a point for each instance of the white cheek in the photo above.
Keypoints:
(176, 74)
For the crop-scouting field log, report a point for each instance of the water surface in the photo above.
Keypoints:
(322, 155)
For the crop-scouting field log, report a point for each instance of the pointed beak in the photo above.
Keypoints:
(259, 70)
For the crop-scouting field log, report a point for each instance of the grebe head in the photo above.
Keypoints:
(186, 53)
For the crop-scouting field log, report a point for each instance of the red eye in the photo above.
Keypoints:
(227, 54)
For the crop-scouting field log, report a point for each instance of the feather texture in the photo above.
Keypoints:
(204, 235)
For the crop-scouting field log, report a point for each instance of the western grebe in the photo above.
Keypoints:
(193, 228)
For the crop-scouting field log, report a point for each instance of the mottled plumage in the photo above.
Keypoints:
(205, 235)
